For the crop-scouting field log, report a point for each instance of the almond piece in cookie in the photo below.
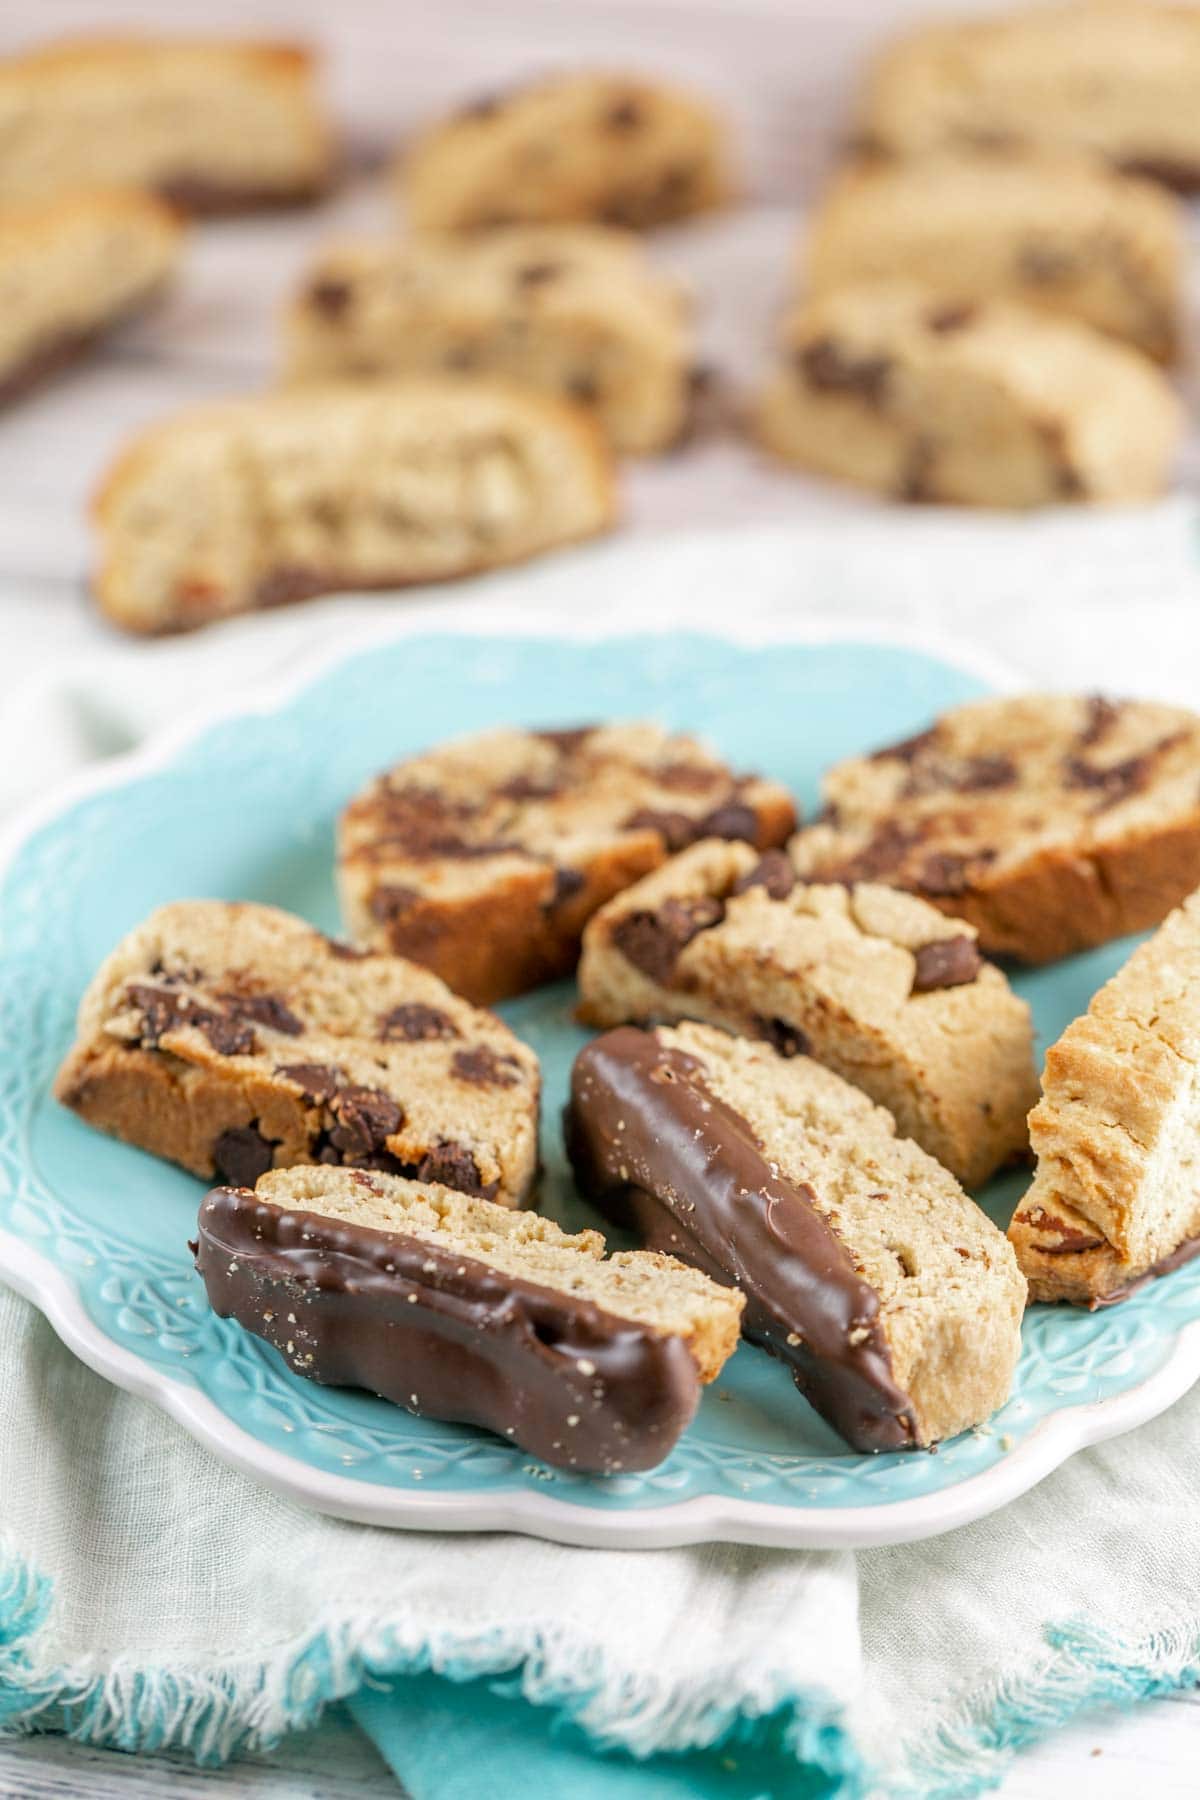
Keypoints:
(234, 1039)
(893, 1300)
(457, 1309)
(1057, 232)
(1116, 1197)
(572, 310)
(1049, 822)
(250, 503)
(211, 125)
(906, 390)
(610, 148)
(875, 984)
(71, 269)
(486, 857)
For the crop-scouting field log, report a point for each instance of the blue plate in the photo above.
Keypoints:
(97, 1233)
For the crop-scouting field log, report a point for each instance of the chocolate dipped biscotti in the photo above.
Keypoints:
(874, 983)
(234, 1039)
(455, 1308)
(892, 1299)
(1049, 822)
(485, 858)
(1116, 1197)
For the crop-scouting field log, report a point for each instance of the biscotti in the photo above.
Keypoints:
(486, 857)
(1053, 231)
(72, 268)
(608, 148)
(874, 983)
(893, 1300)
(456, 1309)
(1116, 1197)
(249, 503)
(1048, 822)
(892, 387)
(234, 1038)
(573, 310)
(210, 125)
(1117, 78)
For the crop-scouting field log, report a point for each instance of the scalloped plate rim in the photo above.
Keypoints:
(702, 1519)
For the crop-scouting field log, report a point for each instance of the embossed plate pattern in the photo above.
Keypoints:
(95, 1233)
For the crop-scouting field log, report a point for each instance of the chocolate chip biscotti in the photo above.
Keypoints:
(894, 387)
(485, 858)
(210, 125)
(1049, 822)
(234, 1039)
(609, 148)
(1117, 78)
(1116, 1198)
(458, 1309)
(72, 268)
(573, 310)
(873, 983)
(1054, 231)
(893, 1300)
(254, 502)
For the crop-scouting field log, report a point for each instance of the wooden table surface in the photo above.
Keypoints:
(782, 72)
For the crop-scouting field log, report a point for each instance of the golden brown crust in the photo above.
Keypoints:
(485, 858)
(503, 942)
(1063, 903)
(1051, 823)
(177, 1111)
(232, 1038)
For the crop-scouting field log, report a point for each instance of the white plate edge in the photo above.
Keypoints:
(706, 1519)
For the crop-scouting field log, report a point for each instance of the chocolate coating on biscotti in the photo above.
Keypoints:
(445, 1336)
(654, 1147)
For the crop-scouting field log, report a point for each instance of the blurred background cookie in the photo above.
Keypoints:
(279, 496)
(1116, 77)
(575, 310)
(606, 147)
(891, 387)
(1056, 231)
(213, 125)
(69, 269)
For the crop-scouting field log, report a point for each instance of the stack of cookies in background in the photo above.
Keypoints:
(986, 308)
(987, 288)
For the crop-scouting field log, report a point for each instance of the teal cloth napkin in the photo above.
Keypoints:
(439, 1737)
